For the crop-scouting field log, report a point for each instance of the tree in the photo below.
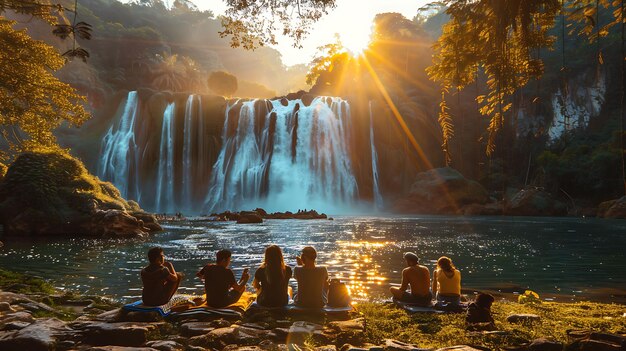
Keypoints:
(251, 24)
(168, 74)
(222, 83)
(31, 98)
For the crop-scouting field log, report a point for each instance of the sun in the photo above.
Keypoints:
(355, 42)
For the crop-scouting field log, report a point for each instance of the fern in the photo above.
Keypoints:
(447, 127)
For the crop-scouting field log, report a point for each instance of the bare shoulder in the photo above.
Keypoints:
(423, 269)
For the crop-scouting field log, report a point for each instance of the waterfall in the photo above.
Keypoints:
(378, 199)
(296, 157)
(277, 154)
(187, 153)
(165, 201)
(118, 147)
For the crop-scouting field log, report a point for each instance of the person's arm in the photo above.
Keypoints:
(172, 276)
(434, 282)
(326, 284)
(241, 285)
(405, 281)
(200, 273)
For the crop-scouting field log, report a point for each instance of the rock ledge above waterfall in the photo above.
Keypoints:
(50, 193)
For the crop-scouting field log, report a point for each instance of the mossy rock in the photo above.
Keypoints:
(52, 193)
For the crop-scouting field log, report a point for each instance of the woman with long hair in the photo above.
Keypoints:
(272, 279)
(446, 282)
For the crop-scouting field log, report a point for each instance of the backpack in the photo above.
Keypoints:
(338, 294)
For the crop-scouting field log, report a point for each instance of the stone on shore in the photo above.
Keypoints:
(544, 344)
(395, 345)
(523, 318)
(441, 191)
(120, 348)
(40, 335)
(613, 209)
(459, 348)
(165, 345)
(118, 334)
(534, 202)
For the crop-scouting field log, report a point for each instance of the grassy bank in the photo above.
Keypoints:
(428, 330)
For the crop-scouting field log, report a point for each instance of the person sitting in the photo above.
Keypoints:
(220, 286)
(312, 281)
(417, 277)
(272, 279)
(446, 283)
(160, 279)
(479, 313)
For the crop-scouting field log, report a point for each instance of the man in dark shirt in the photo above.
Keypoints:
(219, 281)
(160, 280)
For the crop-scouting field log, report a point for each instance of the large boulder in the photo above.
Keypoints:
(249, 218)
(40, 335)
(613, 208)
(49, 193)
(441, 191)
(534, 202)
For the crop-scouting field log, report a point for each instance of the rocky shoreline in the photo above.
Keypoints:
(44, 320)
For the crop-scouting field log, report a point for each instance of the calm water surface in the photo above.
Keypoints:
(577, 257)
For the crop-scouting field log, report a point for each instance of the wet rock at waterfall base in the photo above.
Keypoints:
(249, 218)
(50, 193)
(441, 191)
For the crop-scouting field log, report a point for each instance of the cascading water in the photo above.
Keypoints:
(187, 152)
(118, 147)
(297, 158)
(378, 199)
(165, 201)
(280, 155)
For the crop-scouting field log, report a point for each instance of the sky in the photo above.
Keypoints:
(351, 19)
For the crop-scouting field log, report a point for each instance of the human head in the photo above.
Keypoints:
(484, 300)
(309, 254)
(445, 263)
(274, 256)
(156, 256)
(411, 259)
(223, 257)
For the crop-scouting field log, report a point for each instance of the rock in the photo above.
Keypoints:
(120, 348)
(41, 335)
(354, 325)
(613, 209)
(534, 202)
(33, 306)
(115, 315)
(523, 318)
(307, 99)
(165, 345)
(589, 341)
(6, 307)
(15, 326)
(195, 328)
(215, 338)
(326, 348)
(50, 193)
(24, 317)
(459, 348)
(118, 334)
(149, 220)
(241, 348)
(441, 191)
(490, 209)
(395, 345)
(250, 219)
(544, 344)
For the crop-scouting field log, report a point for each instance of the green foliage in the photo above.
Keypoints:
(434, 331)
(31, 97)
(23, 284)
(222, 83)
(327, 66)
(53, 182)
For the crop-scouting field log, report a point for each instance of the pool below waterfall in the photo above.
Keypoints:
(553, 256)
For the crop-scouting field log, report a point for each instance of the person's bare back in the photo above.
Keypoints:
(418, 278)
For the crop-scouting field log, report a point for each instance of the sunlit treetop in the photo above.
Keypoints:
(251, 24)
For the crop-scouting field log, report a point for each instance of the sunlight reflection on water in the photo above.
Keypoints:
(549, 255)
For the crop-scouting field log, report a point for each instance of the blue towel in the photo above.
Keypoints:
(163, 310)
